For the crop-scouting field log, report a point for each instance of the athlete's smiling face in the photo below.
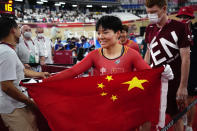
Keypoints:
(107, 37)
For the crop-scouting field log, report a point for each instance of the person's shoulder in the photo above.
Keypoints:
(7, 52)
(128, 50)
(34, 39)
(176, 23)
(5, 48)
(47, 38)
(151, 26)
(133, 42)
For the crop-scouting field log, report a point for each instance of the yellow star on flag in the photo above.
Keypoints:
(135, 82)
(109, 78)
(114, 98)
(101, 85)
(103, 94)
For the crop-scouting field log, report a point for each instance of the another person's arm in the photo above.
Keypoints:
(147, 41)
(9, 88)
(184, 43)
(60, 47)
(56, 47)
(147, 56)
(30, 73)
(185, 58)
(9, 75)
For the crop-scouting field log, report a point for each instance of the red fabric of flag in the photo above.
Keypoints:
(117, 102)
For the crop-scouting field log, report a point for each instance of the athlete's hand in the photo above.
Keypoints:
(181, 97)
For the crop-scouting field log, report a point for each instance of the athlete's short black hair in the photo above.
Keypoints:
(6, 24)
(109, 22)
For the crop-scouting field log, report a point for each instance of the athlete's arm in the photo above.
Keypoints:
(77, 69)
(185, 58)
(139, 63)
(147, 56)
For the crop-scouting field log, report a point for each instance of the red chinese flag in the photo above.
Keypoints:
(117, 102)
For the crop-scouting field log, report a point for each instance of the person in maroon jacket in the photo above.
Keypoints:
(168, 43)
(186, 14)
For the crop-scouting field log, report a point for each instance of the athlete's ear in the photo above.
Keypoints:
(118, 34)
(13, 30)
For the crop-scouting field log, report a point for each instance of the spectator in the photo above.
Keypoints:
(45, 44)
(125, 41)
(72, 47)
(28, 51)
(55, 33)
(15, 107)
(84, 42)
(86, 45)
(59, 45)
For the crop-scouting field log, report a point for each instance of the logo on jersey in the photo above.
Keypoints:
(117, 61)
(103, 70)
(165, 44)
(117, 70)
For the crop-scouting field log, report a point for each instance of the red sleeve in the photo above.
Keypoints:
(77, 69)
(139, 63)
(133, 45)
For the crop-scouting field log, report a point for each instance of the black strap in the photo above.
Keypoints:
(172, 122)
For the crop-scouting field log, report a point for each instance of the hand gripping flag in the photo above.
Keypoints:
(119, 102)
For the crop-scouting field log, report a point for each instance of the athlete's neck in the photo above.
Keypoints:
(113, 51)
(163, 21)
